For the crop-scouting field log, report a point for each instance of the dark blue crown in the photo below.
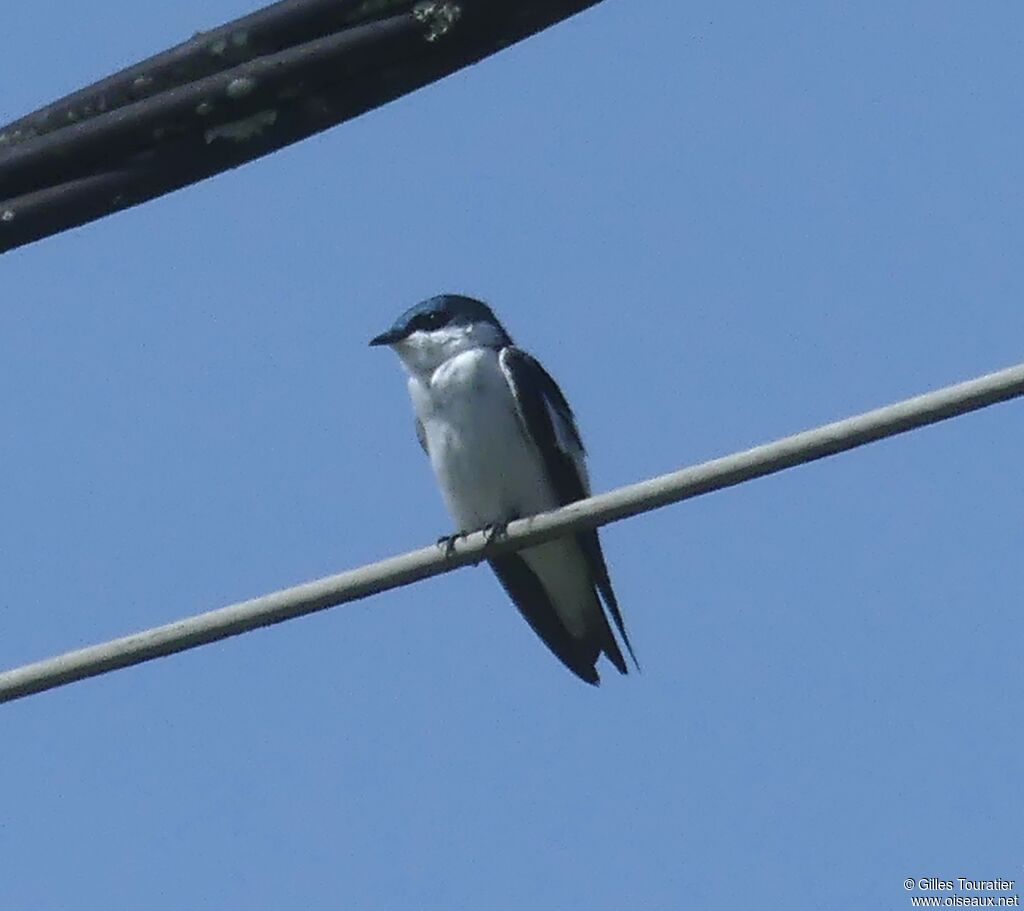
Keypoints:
(440, 311)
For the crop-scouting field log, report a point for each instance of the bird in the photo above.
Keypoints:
(503, 444)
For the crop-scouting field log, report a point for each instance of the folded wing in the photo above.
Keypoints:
(548, 421)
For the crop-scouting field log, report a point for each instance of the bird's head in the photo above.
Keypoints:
(427, 335)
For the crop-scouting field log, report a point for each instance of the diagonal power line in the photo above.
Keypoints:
(631, 500)
(232, 94)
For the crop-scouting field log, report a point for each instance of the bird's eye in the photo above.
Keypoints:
(433, 320)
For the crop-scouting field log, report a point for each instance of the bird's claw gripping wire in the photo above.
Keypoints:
(447, 542)
(493, 531)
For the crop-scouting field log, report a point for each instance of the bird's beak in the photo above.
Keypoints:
(386, 338)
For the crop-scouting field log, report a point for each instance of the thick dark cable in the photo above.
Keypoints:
(236, 93)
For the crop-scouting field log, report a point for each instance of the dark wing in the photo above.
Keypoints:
(527, 593)
(549, 422)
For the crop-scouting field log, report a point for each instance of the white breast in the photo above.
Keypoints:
(486, 467)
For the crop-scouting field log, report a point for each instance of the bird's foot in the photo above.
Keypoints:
(494, 532)
(447, 542)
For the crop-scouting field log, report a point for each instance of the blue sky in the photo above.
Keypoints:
(717, 225)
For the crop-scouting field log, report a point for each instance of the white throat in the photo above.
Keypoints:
(421, 352)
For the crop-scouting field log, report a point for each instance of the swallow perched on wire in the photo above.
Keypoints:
(503, 443)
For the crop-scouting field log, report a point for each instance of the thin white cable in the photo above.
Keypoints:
(431, 561)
